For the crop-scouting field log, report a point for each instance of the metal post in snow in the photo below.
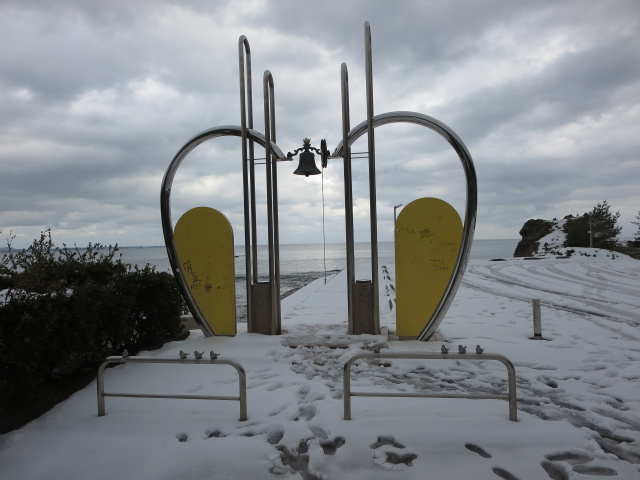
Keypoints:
(537, 320)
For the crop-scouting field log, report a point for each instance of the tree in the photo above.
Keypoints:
(636, 236)
(604, 225)
(598, 228)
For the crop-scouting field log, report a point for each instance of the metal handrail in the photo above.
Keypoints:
(242, 377)
(511, 396)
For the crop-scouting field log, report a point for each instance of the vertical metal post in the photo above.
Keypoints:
(372, 178)
(395, 217)
(537, 320)
(242, 380)
(272, 225)
(346, 393)
(276, 224)
(348, 193)
(246, 116)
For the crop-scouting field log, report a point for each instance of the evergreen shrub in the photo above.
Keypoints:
(65, 310)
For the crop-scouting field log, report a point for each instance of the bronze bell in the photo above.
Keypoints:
(307, 165)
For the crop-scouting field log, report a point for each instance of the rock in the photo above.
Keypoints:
(532, 231)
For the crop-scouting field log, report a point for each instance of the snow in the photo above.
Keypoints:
(578, 392)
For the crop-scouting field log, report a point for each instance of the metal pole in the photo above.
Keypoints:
(246, 116)
(395, 217)
(276, 223)
(272, 226)
(348, 194)
(537, 320)
(372, 179)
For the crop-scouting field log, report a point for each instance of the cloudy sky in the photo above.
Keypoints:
(97, 97)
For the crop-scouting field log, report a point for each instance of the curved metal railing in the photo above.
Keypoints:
(242, 378)
(511, 396)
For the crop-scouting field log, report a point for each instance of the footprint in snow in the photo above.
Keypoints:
(307, 412)
(578, 461)
(554, 471)
(570, 457)
(394, 460)
(329, 447)
(595, 470)
(477, 449)
(386, 440)
(294, 460)
(502, 473)
(389, 459)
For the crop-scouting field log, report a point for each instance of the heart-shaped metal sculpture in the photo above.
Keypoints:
(165, 210)
(432, 322)
(270, 304)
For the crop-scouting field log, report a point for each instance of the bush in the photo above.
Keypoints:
(67, 309)
(636, 235)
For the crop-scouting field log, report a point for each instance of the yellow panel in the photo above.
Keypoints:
(427, 239)
(204, 242)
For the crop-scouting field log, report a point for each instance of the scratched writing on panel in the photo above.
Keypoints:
(191, 276)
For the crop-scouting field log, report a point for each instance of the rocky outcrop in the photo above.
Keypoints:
(531, 233)
(535, 230)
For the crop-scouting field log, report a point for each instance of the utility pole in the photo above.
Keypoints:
(395, 217)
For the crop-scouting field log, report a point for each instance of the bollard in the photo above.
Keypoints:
(537, 320)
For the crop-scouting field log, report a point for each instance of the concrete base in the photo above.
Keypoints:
(261, 306)
(363, 322)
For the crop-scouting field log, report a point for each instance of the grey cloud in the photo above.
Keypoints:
(97, 97)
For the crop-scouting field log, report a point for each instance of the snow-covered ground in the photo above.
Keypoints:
(578, 392)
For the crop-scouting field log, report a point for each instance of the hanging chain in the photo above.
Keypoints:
(324, 240)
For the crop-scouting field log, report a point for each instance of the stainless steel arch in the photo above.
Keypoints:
(165, 204)
(472, 196)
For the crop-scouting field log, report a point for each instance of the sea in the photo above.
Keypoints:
(302, 264)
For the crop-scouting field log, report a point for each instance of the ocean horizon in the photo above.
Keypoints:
(301, 264)
(314, 256)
